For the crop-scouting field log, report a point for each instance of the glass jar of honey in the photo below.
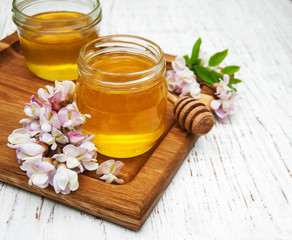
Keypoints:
(122, 85)
(52, 32)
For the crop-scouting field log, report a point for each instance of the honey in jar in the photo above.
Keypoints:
(122, 86)
(51, 40)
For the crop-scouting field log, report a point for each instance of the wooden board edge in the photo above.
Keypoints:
(8, 41)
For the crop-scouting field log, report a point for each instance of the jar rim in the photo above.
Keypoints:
(15, 7)
(160, 59)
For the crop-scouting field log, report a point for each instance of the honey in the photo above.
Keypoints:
(51, 41)
(54, 57)
(125, 94)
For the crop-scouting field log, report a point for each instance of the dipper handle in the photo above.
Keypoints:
(193, 115)
(172, 98)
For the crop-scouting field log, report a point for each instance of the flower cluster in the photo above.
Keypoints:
(51, 147)
(224, 105)
(182, 80)
(186, 69)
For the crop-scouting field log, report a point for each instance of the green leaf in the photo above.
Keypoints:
(216, 76)
(193, 68)
(235, 80)
(195, 51)
(217, 58)
(187, 58)
(230, 70)
(233, 88)
(205, 74)
(198, 62)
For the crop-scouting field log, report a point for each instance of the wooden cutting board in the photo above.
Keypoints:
(146, 177)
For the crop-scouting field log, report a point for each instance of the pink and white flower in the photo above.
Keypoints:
(33, 108)
(203, 55)
(54, 120)
(70, 117)
(224, 105)
(76, 137)
(59, 136)
(222, 89)
(31, 152)
(65, 90)
(56, 136)
(78, 158)
(90, 147)
(193, 89)
(17, 137)
(45, 117)
(32, 126)
(71, 156)
(40, 174)
(182, 80)
(65, 180)
(46, 94)
(109, 169)
(62, 92)
(179, 63)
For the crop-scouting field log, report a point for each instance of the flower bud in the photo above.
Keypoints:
(55, 163)
(60, 165)
(48, 159)
(44, 145)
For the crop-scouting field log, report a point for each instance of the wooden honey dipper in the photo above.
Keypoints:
(193, 115)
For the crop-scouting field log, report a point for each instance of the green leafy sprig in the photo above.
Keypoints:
(208, 74)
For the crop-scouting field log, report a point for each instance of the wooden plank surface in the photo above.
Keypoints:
(236, 182)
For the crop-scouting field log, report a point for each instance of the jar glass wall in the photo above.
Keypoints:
(122, 86)
(52, 32)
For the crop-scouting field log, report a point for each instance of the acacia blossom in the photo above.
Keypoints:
(32, 126)
(45, 117)
(224, 105)
(51, 147)
(77, 136)
(40, 174)
(203, 55)
(31, 152)
(56, 136)
(182, 80)
(70, 117)
(17, 137)
(109, 169)
(78, 158)
(65, 89)
(62, 93)
(32, 109)
(65, 180)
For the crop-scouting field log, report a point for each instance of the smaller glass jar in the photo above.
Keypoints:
(122, 86)
(52, 32)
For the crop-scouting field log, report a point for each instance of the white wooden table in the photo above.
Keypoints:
(236, 182)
